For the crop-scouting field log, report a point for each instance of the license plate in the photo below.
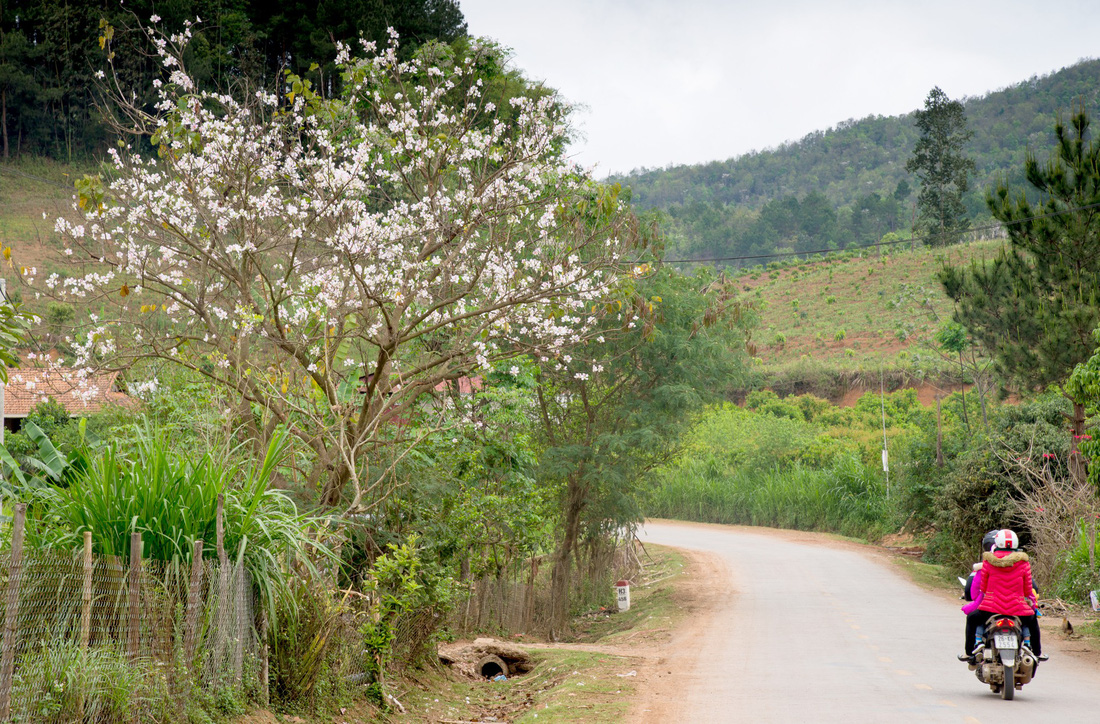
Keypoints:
(1004, 641)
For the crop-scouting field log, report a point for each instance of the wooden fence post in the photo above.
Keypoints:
(529, 603)
(194, 603)
(11, 611)
(224, 595)
(86, 608)
(219, 529)
(265, 666)
(240, 605)
(86, 595)
(134, 628)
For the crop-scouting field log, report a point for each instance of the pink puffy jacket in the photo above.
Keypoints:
(1006, 583)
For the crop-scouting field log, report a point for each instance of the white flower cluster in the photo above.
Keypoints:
(410, 211)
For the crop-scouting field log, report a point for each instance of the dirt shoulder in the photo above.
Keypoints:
(595, 678)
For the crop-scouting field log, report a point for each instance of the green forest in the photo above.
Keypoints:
(847, 185)
(51, 101)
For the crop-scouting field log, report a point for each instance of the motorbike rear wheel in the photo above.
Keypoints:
(1008, 689)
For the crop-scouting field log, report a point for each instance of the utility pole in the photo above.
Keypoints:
(3, 387)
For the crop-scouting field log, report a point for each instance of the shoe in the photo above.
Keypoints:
(1043, 657)
(964, 657)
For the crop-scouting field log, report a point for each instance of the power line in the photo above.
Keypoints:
(752, 257)
(23, 174)
(910, 240)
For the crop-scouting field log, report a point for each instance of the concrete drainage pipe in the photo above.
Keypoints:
(490, 666)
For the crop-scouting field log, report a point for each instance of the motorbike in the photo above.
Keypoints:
(1004, 662)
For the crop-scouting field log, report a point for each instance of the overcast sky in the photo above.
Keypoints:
(687, 81)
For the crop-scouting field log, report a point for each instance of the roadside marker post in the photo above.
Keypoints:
(622, 588)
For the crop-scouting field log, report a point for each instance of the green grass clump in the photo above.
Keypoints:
(170, 498)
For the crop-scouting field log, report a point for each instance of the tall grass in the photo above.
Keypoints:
(171, 499)
(847, 497)
(66, 682)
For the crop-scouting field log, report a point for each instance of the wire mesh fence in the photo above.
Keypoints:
(90, 639)
(520, 597)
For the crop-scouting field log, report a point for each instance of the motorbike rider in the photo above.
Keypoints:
(970, 587)
(1005, 587)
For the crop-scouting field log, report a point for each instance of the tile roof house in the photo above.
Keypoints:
(464, 385)
(80, 395)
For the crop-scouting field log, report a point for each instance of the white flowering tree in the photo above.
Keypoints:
(330, 260)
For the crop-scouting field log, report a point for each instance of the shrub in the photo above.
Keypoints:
(50, 416)
(401, 583)
(1076, 574)
(767, 402)
(979, 488)
(811, 406)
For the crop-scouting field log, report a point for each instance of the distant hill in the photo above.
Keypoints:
(848, 177)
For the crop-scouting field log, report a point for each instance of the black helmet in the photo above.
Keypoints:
(989, 541)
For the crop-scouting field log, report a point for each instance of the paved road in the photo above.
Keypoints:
(818, 631)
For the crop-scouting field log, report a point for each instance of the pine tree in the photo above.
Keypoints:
(1034, 306)
(943, 169)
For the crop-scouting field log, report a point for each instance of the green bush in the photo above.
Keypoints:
(903, 409)
(1076, 574)
(812, 406)
(53, 419)
(401, 583)
(768, 403)
(977, 486)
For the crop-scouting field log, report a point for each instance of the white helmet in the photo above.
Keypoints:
(1006, 540)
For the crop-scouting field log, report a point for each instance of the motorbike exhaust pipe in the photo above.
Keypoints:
(1027, 670)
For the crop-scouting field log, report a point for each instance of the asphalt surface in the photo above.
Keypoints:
(815, 630)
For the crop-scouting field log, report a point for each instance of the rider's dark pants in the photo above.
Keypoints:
(976, 619)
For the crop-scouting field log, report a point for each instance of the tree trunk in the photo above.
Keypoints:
(561, 576)
(962, 391)
(4, 120)
(981, 385)
(336, 478)
(1077, 468)
(939, 433)
(981, 399)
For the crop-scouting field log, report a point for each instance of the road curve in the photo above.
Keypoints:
(798, 628)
